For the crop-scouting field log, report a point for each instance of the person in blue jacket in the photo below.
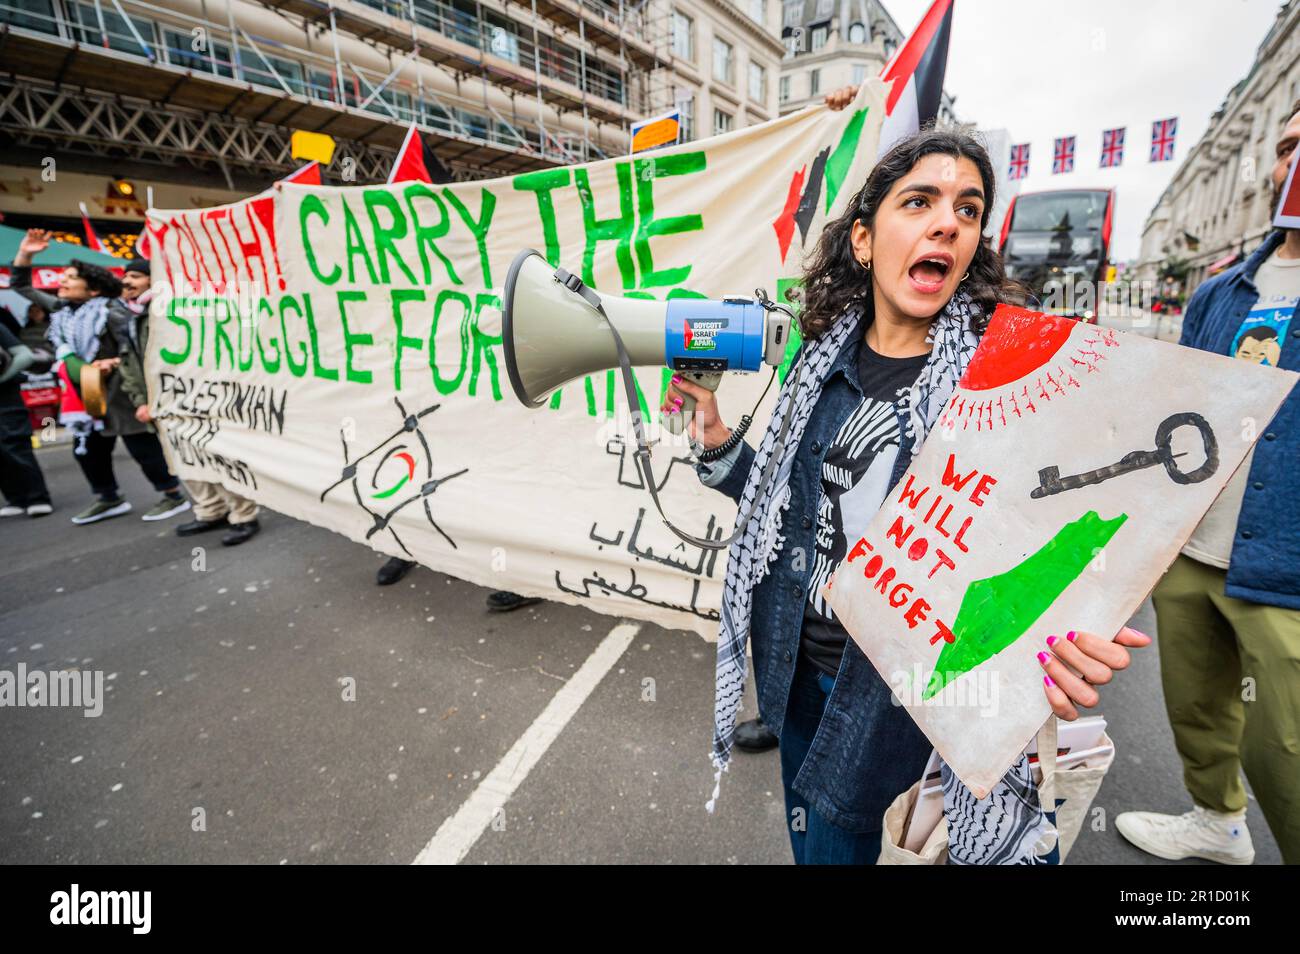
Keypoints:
(1228, 610)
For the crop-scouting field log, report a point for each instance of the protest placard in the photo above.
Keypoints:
(1062, 478)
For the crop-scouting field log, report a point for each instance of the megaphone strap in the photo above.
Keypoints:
(642, 455)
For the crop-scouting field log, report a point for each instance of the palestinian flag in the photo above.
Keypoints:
(916, 74)
(416, 162)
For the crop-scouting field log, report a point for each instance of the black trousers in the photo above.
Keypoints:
(21, 480)
(95, 455)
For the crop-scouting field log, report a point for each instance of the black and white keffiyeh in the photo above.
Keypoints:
(75, 329)
(1009, 827)
(751, 554)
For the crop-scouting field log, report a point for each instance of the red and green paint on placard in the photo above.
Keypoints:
(997, 611)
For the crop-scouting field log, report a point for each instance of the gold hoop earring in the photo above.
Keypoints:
(866, 265)
(964, 277)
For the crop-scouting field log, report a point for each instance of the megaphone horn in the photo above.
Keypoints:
(556, 329)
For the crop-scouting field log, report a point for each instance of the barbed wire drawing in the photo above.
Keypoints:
(379, 475)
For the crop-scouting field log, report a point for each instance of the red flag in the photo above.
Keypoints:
(416, 162)
(92, 240)
(916, 73)
(307, 175)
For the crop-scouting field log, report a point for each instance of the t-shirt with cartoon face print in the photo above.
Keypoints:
(1259, 339)
(855, 479)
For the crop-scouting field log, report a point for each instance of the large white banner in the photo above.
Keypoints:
(335, 354)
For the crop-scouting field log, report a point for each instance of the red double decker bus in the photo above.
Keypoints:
(1057, 242)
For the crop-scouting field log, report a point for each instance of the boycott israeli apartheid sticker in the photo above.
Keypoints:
(1061, 479)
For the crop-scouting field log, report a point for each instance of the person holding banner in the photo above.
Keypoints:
(894, 300)
(215, 507)
(128, 321)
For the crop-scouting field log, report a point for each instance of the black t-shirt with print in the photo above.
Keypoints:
(855, 480)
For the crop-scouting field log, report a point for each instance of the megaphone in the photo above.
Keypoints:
(556, 329)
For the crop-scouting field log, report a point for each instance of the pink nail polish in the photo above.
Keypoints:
(1047, 681)
(1070, 635)
(1043, 657)
(676, 378)
(1051, 640)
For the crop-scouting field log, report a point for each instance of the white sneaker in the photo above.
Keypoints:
(1200, 833)
(11, 511)
(39, 510)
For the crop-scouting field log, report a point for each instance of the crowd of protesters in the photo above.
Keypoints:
(1228, 609)
(100, 321)
(97, 326)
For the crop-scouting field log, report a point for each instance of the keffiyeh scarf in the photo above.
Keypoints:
(75, 330)
(1009, 827)
(749, 557)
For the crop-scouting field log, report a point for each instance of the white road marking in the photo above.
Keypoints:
(457, 835)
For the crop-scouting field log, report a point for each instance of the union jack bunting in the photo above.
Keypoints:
(1019, 167)
(1162, 139)
(1063, 155)
(1112, 148)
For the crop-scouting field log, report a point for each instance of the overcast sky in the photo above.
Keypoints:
(1047, 68)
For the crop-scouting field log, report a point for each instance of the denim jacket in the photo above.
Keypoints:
(867, 749)
(1265, 562)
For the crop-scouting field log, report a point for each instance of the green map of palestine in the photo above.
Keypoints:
(997, 611)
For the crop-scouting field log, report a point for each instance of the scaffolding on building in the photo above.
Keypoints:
(661, 89)
(126, 79)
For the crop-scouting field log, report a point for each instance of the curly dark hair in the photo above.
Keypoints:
(98, 278)
(833, 279)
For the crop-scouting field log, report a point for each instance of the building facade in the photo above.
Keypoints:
(835, 43)
(726, 62)
(106, 101)
(1218, 206)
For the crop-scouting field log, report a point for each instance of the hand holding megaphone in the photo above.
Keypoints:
(695, 404)
(555, 329)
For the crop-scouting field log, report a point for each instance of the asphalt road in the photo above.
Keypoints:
(226, 734)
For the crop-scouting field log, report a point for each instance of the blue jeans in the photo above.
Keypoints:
(813, 839)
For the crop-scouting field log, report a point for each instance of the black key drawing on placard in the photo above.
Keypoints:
(1051, 482)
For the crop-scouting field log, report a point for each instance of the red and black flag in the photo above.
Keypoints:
(916, 74)
(416, 162)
